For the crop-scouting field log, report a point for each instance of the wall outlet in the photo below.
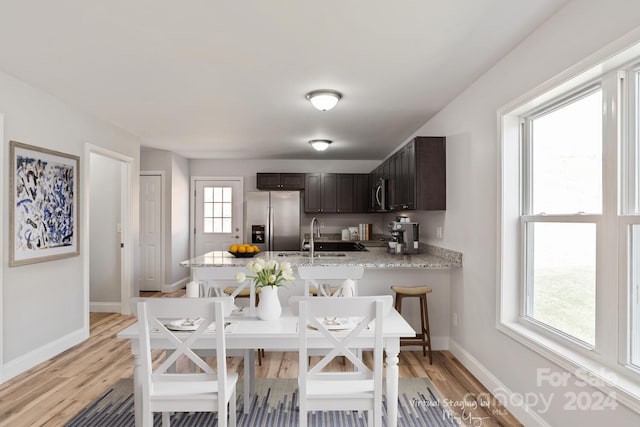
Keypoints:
(455, 319)
(439, 232)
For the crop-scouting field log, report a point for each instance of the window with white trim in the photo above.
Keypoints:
(570, 221)
(217, 210)
(562, 200)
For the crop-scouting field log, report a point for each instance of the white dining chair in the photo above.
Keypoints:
(317, 276)
(360, 389)
(164, 390)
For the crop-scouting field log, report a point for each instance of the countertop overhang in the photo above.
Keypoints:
(376, 257)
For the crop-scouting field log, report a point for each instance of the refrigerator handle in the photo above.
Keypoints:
(270, 216)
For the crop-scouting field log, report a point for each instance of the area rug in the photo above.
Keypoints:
(274, 405)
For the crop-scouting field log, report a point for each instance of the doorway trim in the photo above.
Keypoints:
(128, 253)
(163, 220)
(192, 202)
(2, 207)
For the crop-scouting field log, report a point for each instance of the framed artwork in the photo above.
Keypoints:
(43, 206)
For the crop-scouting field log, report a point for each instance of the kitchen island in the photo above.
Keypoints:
(375, 257)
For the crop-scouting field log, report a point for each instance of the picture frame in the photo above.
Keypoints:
(43, 208)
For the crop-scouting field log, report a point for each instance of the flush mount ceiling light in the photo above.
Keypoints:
(324, 99)
(320, 144)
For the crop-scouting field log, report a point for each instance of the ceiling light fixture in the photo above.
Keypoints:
(320, 144)
(324, 99)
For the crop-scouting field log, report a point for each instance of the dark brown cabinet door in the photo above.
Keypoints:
(392, 182)
(329, 192)
(345, 193)
(320, 192)
(280, 181)
(361, 193)
(409, 174)
(292, 181)
(431, 173)
(312, 193)
(268, 181)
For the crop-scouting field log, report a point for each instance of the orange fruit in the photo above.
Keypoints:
(242, 249)
(233, 248)
(256, 249)
(249, 249)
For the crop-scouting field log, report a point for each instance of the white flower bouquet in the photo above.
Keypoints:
(267, 273)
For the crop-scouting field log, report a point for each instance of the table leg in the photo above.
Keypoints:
(392, 349)
(249, 378)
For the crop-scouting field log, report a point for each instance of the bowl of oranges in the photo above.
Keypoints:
(244, 250)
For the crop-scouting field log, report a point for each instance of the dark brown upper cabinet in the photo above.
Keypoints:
(320, 193)
(344, 195)
(360, 192)
(336, 193)
(280, 181)
(352, 193)
(417, 175)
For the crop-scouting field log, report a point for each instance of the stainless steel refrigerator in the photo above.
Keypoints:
(272, 220)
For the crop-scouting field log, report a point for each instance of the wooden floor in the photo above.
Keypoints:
(53, 392)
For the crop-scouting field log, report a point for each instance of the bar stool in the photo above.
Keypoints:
(424, 337)
(245, 293)
(313, 291)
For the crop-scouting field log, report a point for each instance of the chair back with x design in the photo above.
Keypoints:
(180, 324)
(316, 276)
(358, 389)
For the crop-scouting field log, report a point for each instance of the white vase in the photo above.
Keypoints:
(269, 307)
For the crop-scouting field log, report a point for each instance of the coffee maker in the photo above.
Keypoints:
(406, 234)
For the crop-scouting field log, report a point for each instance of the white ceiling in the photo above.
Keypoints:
(227, 79)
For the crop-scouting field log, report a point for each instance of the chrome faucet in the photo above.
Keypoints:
(311, 244)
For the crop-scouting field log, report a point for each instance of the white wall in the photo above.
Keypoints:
(470, 224)
(180, 203)
(44, 305)
(105, 215)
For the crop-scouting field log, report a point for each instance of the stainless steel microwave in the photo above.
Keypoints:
(380, 195)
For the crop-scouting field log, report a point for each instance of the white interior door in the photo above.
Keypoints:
(218, 214)
(151, 278)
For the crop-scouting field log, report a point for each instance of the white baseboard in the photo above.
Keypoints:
(23, 363)
(522, 412)
(176, 285)
(105, 307)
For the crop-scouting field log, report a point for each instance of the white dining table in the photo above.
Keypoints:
(248, 333)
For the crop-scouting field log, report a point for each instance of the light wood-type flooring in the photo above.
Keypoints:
(53, 392)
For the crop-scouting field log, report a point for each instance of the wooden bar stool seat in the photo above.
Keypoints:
(313, 291)
(245, 293)
(423, 338)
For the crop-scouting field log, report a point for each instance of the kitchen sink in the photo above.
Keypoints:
(315, 255)
(343, 246)
(326, 254)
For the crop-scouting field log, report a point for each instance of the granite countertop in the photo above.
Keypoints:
(433, 257)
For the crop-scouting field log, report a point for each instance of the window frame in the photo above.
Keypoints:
(213, 204)
(527, 215)
(608, 362)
